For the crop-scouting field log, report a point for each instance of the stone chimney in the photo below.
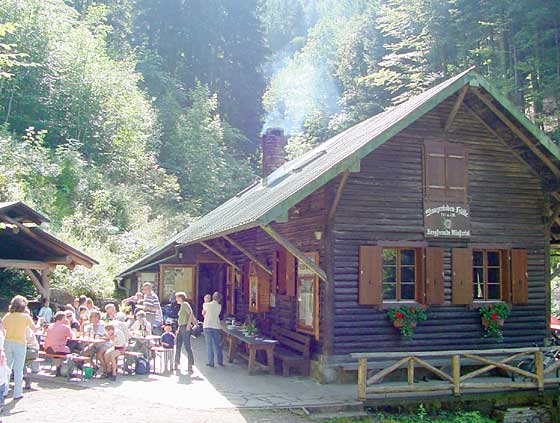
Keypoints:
(274, 154)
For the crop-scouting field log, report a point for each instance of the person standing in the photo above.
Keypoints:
(152, 307)
(186, 321)
(212, 329)
(15, 323)
(46, 312)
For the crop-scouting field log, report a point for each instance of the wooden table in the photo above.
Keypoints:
(236, 338)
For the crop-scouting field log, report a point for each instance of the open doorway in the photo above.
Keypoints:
(211, 278)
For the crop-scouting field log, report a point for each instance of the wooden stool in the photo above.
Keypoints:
(166, 358)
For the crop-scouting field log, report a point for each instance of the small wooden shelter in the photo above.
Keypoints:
(24, 245)
(447, 200)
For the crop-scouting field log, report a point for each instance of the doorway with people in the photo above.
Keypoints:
(211, 278)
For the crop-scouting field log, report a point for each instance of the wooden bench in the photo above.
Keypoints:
(293, 351)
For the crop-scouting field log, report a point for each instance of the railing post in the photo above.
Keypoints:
(539, 370)
(456, 374)
(362, 376)
(410, 372)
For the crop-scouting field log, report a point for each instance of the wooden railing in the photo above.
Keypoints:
(457, 381)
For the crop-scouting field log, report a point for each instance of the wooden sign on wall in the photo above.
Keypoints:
(443, 219)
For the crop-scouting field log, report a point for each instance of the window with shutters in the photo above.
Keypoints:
(399, 273)
(445, 171)
(487, 274)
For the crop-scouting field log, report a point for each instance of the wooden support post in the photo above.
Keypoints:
(410, 371)
(248, 254)
(539, 370)
(36, 280)
(456, 374)
(518, 132)
(338, 195)
(295, 252)
(46, 282)
(362, 375)
(220, 255)
(456, 108)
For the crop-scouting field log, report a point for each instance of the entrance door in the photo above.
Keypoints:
(211, 278)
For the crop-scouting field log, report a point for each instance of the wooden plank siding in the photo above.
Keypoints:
(384, 202)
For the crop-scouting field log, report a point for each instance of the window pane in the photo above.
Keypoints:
(389, 291)
(389, 256)
(477, 258)
(407, 257)
(389, 274)
(494, 275)
(407, 274)
(478, 283)
(407, 291)
(305, 301)
(493, 291)
(493, 258)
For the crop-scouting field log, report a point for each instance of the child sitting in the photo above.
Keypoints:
(168, 337)
(118, 344)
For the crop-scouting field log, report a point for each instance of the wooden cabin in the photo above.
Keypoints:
(448, 200)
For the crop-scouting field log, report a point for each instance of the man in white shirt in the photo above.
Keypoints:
(212, 329)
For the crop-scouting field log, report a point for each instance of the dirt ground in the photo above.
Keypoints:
(50, 401)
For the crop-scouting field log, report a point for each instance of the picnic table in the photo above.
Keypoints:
(237, 339)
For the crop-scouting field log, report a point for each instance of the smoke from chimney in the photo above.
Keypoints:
(273, 150)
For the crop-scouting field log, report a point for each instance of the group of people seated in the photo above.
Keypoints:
(73, 329)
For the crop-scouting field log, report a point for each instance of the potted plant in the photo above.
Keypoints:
(405, 318)
(493, 317)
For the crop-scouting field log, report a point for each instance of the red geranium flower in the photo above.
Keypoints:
(411, 308)
(490, 307)
(399, 315)
(494, 316)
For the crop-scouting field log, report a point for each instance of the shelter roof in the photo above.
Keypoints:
(20, 240)
(270, 199)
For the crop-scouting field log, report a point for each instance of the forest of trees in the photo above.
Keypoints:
(123, 120)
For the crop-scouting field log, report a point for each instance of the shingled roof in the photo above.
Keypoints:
(270, 199)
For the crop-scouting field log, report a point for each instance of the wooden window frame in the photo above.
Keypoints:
(306, 329)
(485, 268)
(418, 274)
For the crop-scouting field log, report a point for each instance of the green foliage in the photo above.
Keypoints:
(442, 417)
(378, 53)
(14, 282)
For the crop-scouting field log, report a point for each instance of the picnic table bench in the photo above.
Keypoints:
(236, 339)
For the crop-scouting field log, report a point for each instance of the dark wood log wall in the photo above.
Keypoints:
(305, 218)
(384, 202)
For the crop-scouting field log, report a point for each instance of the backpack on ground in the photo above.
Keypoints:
(142, 366)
